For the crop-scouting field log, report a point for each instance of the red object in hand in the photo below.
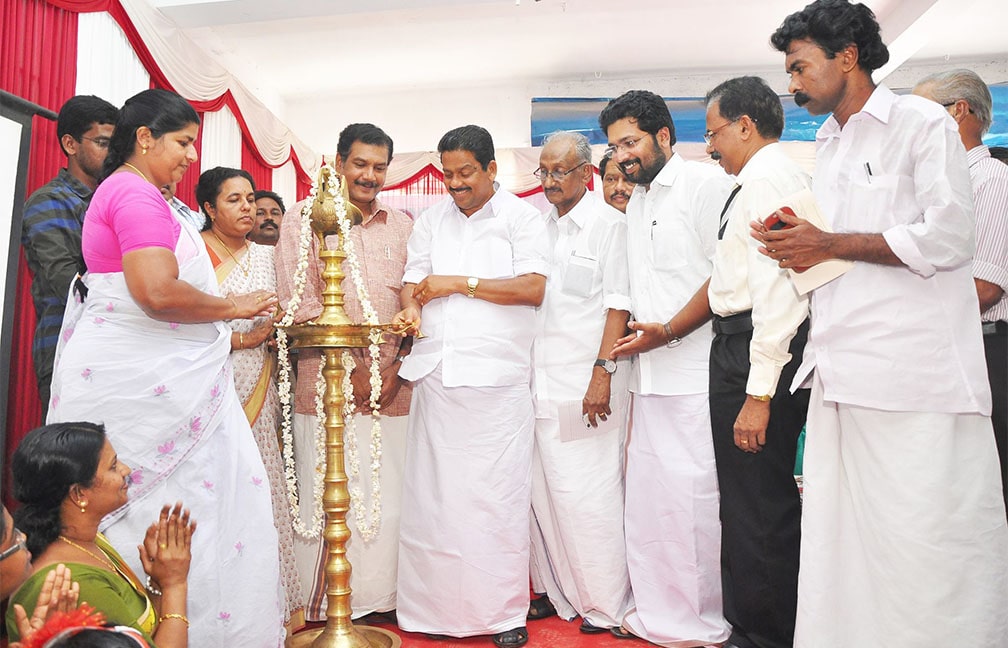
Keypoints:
(773, 223)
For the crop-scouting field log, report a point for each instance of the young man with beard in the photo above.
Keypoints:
(581, 398)
(904, 537)
(616, 189)
(53, 219)
(760, 330)
(363, 153)
(477, 270)
(672, 530)
(268, 216)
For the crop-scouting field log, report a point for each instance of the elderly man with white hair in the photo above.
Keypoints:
(581, 397)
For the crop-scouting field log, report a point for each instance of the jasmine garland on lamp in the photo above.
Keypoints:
(67, 477)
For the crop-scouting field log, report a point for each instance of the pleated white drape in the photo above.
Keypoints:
(285, 183)
(221, 140)
(107, 66)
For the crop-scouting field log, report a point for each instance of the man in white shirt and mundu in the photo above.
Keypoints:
(476, 270)
(578, 549)
(904, 537)
(673, 533)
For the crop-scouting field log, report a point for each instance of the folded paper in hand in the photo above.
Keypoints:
(804, 205)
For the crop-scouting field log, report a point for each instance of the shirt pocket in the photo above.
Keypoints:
(580, 276)
(877, 203)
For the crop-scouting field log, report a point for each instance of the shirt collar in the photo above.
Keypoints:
(579, 213)
(78, 187)
(878, 105)
(671, 169)
(757, 160)
(976, 154)
(380, 213)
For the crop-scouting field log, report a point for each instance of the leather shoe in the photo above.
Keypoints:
(540, 608)
(589, 629)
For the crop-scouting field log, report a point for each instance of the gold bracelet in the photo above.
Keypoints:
(241, 340)
(181, 617)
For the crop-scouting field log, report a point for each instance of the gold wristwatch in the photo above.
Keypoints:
(472, 283)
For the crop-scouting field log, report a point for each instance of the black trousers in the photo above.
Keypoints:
(760, 506)
(996, 350)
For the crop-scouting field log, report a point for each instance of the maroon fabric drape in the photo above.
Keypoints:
(304, 183)
(46, 75)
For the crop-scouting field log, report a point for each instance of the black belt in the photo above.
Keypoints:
(999, 327)
(733, 324)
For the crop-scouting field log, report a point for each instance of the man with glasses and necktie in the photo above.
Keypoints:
(673, 534)
(53, 218)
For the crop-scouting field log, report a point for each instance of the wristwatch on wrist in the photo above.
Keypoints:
(472, 283)
(763, 399)
(673, 339)
(607, 364)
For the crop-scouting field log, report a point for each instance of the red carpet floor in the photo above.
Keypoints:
(546, 633)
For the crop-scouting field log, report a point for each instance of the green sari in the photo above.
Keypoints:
(119, 595)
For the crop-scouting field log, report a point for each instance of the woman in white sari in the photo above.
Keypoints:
(146, 353)
(227, 197)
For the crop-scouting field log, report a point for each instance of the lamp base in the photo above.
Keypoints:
(358, 637)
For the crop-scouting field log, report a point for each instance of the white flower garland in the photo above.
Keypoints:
(367, 528)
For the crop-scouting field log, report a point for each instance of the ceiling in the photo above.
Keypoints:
(301, 47)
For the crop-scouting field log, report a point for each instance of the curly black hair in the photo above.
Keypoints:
(648, 109)
(833, 25)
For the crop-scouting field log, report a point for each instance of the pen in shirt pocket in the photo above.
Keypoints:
(868, 173)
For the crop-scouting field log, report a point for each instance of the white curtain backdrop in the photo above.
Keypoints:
(285, 183)
(221, 140)
(196, 76)
(106, 64)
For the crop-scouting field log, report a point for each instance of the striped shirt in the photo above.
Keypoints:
(51, 236)
(989, 178)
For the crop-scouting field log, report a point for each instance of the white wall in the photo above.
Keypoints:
(416, 120)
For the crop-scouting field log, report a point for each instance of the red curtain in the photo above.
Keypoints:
(46, 75)
(251, 161)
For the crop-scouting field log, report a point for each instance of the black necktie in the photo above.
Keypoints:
(724, 212)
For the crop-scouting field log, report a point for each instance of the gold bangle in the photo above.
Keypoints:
(241, 340)
(763, 398)
(181, 617)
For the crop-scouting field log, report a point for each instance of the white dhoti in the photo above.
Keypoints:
(578, 547)
(904, 538)
(464, 541)
(374, 562)
(673, 529)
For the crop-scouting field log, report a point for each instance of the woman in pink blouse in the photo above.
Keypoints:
(146, 353)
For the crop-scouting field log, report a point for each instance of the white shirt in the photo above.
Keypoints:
(899, 338)
(744, 279)
(186, 215)
(671, 233)
(479, 343)
(989, 178)
(587, 277)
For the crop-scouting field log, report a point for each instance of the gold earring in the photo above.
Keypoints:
(83, 506)
(143, 151)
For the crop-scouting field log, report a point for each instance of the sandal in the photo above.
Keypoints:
(511, 638)
(540, 608)
(621, 633)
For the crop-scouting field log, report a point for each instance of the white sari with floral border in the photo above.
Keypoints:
(165, 393)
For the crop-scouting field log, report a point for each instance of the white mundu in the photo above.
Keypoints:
(673, 528)
(464, 542)
(578, 548)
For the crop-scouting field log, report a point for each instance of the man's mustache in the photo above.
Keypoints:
(800, 99)
(269, 222)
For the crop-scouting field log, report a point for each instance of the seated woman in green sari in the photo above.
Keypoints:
(67, 477)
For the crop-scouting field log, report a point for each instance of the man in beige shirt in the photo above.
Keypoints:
(363, 154)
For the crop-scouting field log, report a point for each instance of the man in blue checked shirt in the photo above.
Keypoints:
(53, 216)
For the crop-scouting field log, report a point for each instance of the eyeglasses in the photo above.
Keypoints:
(557, 176)
(100, 142)
(708, 136)
(952, 103)
(16, 547)
(625, 145)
